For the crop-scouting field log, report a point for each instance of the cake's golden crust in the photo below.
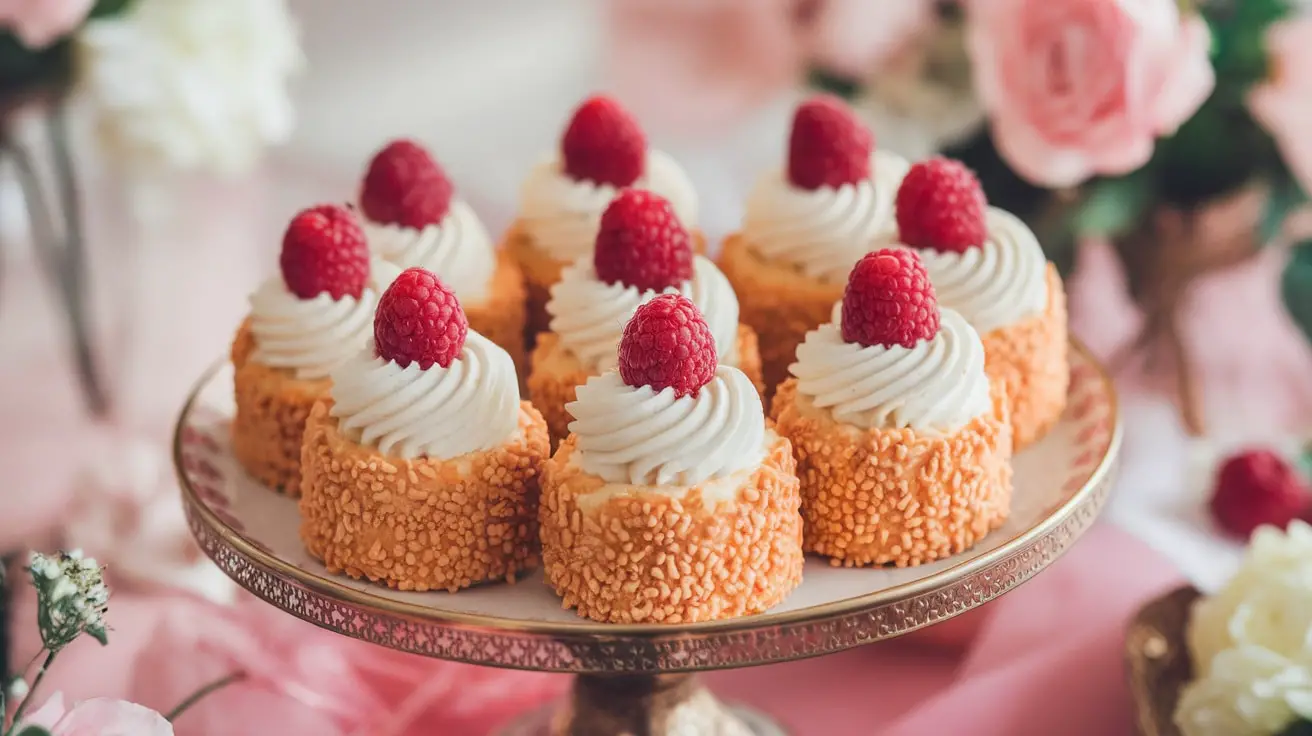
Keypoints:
(893, 496)
(500, 317)
(542, 271)
(777, 301)
(422, 524)
(1029, 359)
(272, 404)
(554, 373)
(650, 558)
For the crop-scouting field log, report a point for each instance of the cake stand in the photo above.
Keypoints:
(639, 679)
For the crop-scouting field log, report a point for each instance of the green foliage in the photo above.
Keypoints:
(22, 68)
(1296, 287)
(33, 731)
(107, 8)
(1239, 40)
(1297, 728)
(1114, 206)
(836, 84)
(1286, 195)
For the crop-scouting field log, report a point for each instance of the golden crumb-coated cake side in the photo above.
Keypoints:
(501, 316)
(271, 407)
(554, 374)
(778, 302)
(646, 557)
(1030, 360)
(892, 496)
(422, 524)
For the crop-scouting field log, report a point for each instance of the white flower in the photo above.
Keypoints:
(1251, 691)
(71, 598)
(191, 84)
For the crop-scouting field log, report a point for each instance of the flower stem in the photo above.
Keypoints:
(31, 693)
(197, 696)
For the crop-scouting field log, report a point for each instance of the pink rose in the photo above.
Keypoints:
(1076, 88)
(39, 23)
(1283, 104)
(98, 717)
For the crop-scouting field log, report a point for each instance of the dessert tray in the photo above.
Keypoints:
(636, 678)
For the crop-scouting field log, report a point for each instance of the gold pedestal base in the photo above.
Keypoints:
(642, 705)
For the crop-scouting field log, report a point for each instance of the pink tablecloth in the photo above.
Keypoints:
(1045, 659)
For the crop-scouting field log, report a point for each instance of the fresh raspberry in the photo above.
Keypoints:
(889, 300)
(405, 186)
(1258, 487)
(641, 243)
(419, 320)
(668, 345)
(828, 147)
(941, 205)
(604, 144)
(324, 250)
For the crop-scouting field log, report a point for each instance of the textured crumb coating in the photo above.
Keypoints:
(1030, 360)
(777, 301)
(644, 557)
(422, 524)
(880, 497)
(272, 405)
(554, 373)
(542, 271)
(501, 316)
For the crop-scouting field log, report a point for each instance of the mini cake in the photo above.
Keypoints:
(421, 467)
(671, 501)
(641, 251)
(303, 323)
(806, 225)
(602, 151)
(903, 451)
(987, 265)
(413, 217)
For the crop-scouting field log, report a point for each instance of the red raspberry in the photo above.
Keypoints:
(941, 205)
(668, 345)
(829, 146)
(419, 320)
(405, 186)
(641, 243)
(889, 300)
(1258, 487)
(324, 250)
(604, 144)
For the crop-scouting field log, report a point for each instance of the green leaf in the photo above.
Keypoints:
(1296, 287)
(833, 83)
(1297, 728)
(1285, 196)
(108, 8)
(33, 731)
(1114, 206)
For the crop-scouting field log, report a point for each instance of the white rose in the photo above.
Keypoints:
(1250, 691)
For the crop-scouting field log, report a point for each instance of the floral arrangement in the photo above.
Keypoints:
(1249, 643)
(168, 85)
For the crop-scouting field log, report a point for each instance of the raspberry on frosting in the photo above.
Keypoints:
(324, 250)
(667, 344)
(828, 146)
(405, 186)
(641, 243)
(419, 320)
(941, 206)
(889, 300)
(604, 144)
(1257, 488)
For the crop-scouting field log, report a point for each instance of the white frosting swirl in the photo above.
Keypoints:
(562, 214)
(458, 249)
(642, 437)
(442, 413)
(313, 336)
(936, 387)
(997, 284)
(824, 232)
(589, 314)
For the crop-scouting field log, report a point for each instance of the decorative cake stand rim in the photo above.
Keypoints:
(1090, 498)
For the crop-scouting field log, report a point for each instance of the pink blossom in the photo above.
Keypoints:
(98, 717)
(1283, 104)
(1076, 88)
(39, 23)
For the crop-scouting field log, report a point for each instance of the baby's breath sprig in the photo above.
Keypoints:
(71, 598)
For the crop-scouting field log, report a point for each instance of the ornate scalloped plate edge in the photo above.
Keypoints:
(598, 648)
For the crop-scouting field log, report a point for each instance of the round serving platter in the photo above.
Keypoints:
(252, 534)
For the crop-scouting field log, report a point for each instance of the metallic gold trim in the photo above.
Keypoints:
(1158, 659)
(589, 647)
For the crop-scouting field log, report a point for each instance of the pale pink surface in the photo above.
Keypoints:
(98, 717)
(1284, 103)
(1076, 88)
(38, 23)
(1043, 659)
